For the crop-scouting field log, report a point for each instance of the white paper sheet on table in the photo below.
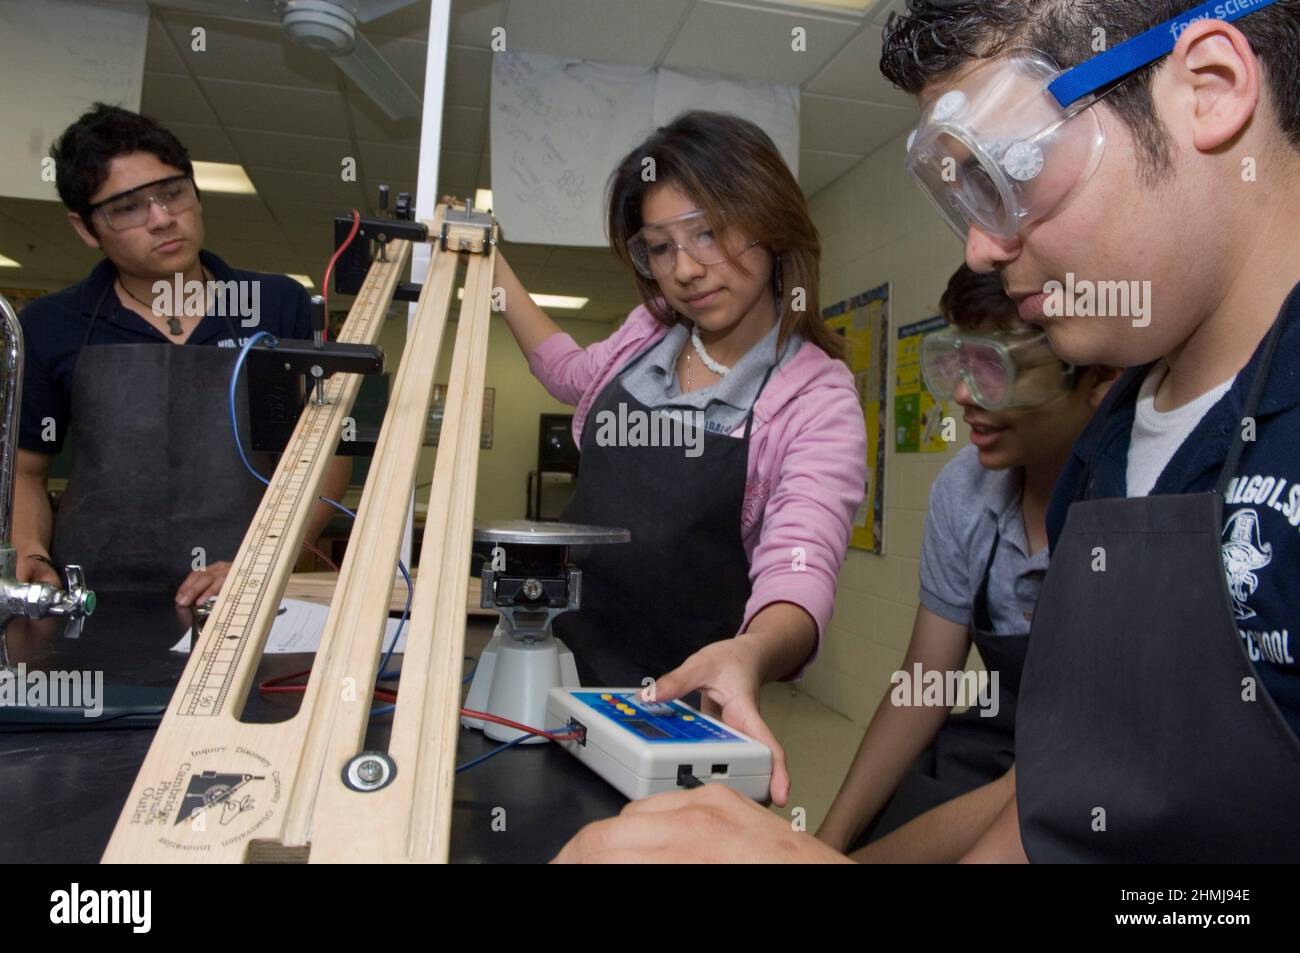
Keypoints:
(298, 628)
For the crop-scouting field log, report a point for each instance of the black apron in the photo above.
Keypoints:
(154, 470)
(1132, 714)
(970, 750)
(683, 580)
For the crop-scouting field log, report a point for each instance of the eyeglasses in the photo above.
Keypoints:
(1001, 371)
(654, 248)
(130, 209)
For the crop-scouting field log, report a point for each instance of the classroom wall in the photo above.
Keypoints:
(502, 470)
(877, 227)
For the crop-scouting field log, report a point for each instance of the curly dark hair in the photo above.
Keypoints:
(82, 154)
(935, 38)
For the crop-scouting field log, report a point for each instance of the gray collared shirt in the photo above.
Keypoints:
(652, 379)
(969, 506)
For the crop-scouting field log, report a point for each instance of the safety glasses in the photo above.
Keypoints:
(1002, 372)
(130, 209)
(1018, 137)
(654, 248)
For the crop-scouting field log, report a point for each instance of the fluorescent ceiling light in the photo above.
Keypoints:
(560, 302)
(564, 302)
(7, 262)
(223, 177)
(304, 280)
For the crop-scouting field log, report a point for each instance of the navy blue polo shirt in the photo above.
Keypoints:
(54, 330)
(1261, 533)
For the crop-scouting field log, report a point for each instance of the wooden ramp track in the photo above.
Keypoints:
(215, 789)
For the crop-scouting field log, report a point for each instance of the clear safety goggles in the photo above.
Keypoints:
(1017, 137)
(174, 194)
(1001, 372)
(654, 248)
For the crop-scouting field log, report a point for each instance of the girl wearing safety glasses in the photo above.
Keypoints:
(983, 559)
(718, 424)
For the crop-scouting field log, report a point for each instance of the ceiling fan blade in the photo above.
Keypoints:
(367, 10)
(264, 10)
(378, 80)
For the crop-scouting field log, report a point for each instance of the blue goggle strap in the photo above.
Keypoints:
(1143, 49)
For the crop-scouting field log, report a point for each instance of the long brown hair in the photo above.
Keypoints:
(732, 170)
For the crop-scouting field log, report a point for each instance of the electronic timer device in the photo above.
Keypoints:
(644, 748)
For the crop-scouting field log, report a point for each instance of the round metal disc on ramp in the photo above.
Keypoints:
(547, 534)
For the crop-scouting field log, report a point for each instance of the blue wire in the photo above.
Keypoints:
(384, 674)
(466, 680)
(491, 754)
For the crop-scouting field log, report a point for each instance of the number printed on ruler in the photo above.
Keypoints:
(225, 637)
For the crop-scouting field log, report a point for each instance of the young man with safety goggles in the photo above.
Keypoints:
(982, 564)
(1160, 706)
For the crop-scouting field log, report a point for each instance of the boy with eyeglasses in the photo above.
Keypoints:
(131, 368)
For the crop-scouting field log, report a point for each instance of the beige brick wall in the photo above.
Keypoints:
(877, 227)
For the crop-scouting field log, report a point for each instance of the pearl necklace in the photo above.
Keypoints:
(720, 369)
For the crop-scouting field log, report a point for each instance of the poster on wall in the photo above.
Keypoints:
(863, 322)
(918, 417)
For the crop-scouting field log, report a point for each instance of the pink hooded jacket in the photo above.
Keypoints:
(807, 459)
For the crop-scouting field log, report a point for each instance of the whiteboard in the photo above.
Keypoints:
(59, 57)
(560, 127)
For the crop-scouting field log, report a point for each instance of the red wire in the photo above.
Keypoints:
(276, 686)
(325, 286)
(328, 562)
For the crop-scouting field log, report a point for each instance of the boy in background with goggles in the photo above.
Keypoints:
(1159, 142)
(982, 563)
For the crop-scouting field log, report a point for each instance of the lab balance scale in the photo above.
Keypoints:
(528, 676)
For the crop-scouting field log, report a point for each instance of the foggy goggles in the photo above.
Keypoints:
(1001, 371)
(174, 194)
(654, 248)
(1017, 137)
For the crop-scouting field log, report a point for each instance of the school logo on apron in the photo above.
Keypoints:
(1243, 554)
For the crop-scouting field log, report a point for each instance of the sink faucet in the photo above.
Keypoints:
(34, 600)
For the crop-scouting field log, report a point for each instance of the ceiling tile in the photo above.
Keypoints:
(205, 142)
(855, 74)
(278, 150)
(751, 43)
(159, 54)
(472, 21)
(469, 77)
(370, 122)
(170, 98)
(277, 109)
(306, 187)
(406, 57)
(382, 161)
(251, 52)
(630, 32)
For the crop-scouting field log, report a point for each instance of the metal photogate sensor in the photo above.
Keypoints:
(644, 748)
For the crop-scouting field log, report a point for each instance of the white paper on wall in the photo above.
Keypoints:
(560, 127)
(60, 56)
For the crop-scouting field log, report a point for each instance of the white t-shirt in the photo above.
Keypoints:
(1157, 436)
